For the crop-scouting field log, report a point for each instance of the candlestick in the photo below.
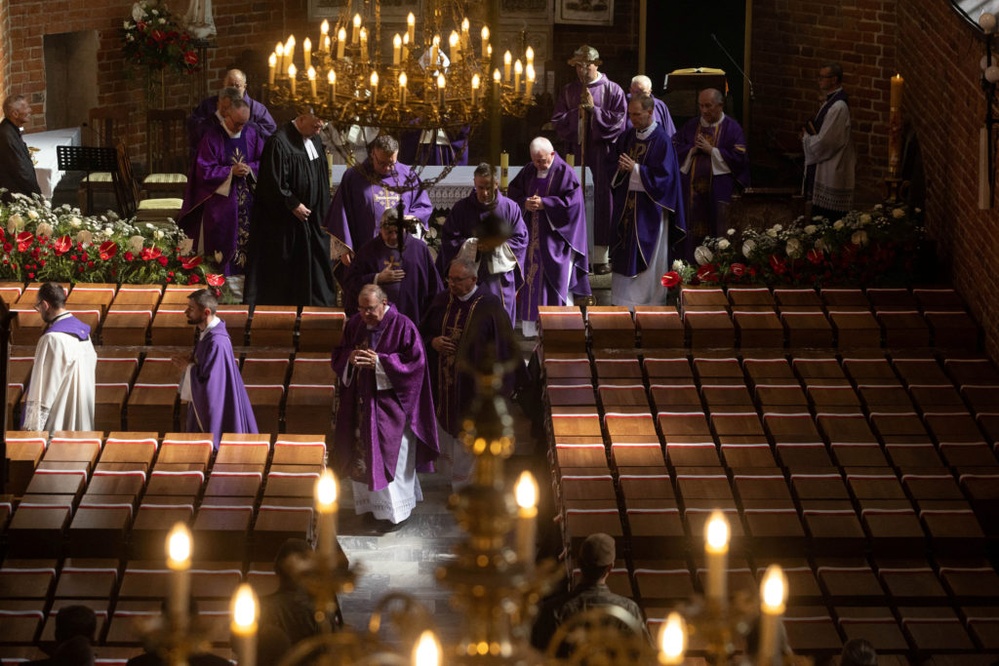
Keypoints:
(374, 88)
(178, 547)
(279, 52)
(324, 30)
(672, 640)
(485, 43)
(331, 79)
(476, 82)
(518, 71)
(507, 64)
(396, 49)
(364, 44)
(716, 548)
(244, 624)
(454, 47)
(307, 52)
(403, 79)
(327, 508)
(292, 73)
(355, 34)
(411, 28)
(773, 598)
(312, 81)
(341, 42)
(526, 491)
(271, 68)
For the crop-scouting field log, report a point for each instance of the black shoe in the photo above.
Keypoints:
(387, 526)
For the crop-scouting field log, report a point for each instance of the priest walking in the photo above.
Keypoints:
(385, 431)
(212, 385)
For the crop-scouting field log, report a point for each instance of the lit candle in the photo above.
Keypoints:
(485, 42)
(324, 31)
(355, 34)
(496, 83)
(312, 81)
(178, 547)
(327, 508)
(518, 71)
(465, 26)
(341, 42)
(435, 51)
(529, 86)
(331, 79)
(292, 72)
(895, 126)
(507, 64)
(716, 548)
(529, 56)
(773, 599)
(427, 651)
(271, 68)
(403, 79)
(289, 50)
(279, 51)
(504, 160)
(396, 49)
(672, 640)
(489, 52)
(441, 83)
(307, 52)
(364, 44)
(244, 624)
(526, 491)
(411, 28)
(454, 47)
(374, 88)
(327, 44)
(476, 82)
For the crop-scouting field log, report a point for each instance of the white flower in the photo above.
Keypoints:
(730, 232)
(108, 231)
(793, 248)
(859, 238)
(778, 227)
(677, 265)
(135, 243)
(810, 229)
(185, 247)
(43, 229)
(84, 236)
(838, 225)
(897, 213)
(820, 245)
(15, 223)
(703, 255)
(748, 247)
(158, 234)
(150, 225)
(75, 222)
(33, 214)
(865, 219)
(125, 25)
(723, 244)
(772, 232)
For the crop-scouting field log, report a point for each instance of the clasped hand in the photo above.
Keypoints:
(364, 358)
(625, 163)
(533, 204)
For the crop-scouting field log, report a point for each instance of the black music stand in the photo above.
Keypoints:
(89, 159)
(682, 86)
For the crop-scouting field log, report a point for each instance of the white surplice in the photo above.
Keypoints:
(61, 395)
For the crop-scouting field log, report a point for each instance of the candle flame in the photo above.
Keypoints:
(341, 34)
(507, 58)
(307, 44)
(403, 80)
(272, 61)
(485, 33)
(441, 82)
(292, 70)
(312, 73)
(518, 68)
(526, 489)
(410, 20)
(717, 531)
(179, 547)
(279, 49)
(244, 610)
(673, 639)
(325, 27)
(374, 79)
(773, 590)
(453, 39)
(476, 81)
(331, 77)
(427, 651)
(326, 486)
(531, 76)
(397, 41)
(357, 20)
(497, 76)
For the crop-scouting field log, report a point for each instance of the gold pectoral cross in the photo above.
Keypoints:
(238, 157)
(386, 198)
(393, 264)
(638, 151)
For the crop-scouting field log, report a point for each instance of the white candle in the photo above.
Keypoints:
(716, 549)
(405, 47)
(441, 83)
(465, 25)
(289, 50)
(364, 44)
(526, 491)
(518, 71)
(327, 507)
(331, 79)
(411, 28)
(435, 53)
(179, 547)
(403, 79)
(476, 82)
(396, 49)
(529, 86)
(672, 640)
(312, 81)
(374, 88)
(307, 52)
(279, 51)
(244, 624)
(529, 56)
(292, 72)
(327, 43)
(454, 47)
(341, 42)
(271, 68)
(773, 598)
(324, 30)
(496, 83)
(485, 42)
(355, 34)
(507, 64)
(427, 651)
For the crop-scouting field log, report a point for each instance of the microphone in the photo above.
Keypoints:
(735, 62)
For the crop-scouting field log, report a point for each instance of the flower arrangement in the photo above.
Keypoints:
(154, 40)
(877, 246)
(40, 243)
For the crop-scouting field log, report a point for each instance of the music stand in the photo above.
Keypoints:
(89, 159)
(683, 85)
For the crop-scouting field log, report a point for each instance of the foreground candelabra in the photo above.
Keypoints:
(437, 79)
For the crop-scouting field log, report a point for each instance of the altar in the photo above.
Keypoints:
(46, 162)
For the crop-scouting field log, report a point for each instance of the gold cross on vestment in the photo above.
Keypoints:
(393, 264)
(386, 198)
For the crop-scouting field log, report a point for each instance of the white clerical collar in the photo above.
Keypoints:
(209, 326)
(600, 75)
(544, 174)
(714, 124)
(388, 306)
(643, 134)
(232, 135)
(464, 299)
(219, 116)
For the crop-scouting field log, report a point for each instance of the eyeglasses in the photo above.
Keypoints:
(370, 309)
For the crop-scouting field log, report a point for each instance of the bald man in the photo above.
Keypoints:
(642, 85)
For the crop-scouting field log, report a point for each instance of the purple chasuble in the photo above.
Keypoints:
(358, 204)
(660, 113)
(706, 194)
(203, 117)
(484, 334)
(223, 220)
(69, 325)
(639, 215)
(555, 262)
(375, 420)
(219, 402)
(412, 295)
(464, 221)
(606, 124)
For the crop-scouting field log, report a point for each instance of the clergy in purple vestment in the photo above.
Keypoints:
(405, 271)
(714, 165)
(500, 266)
(642, 85)
(367, 189)
(555, 268)
(219, 195)
(602, 103)
(648, 209)
(212, 385)
(385, 430)
(211, 110)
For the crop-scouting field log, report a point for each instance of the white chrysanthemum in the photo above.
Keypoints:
(810, 229)
(859, 238)
(150, 225)
(32, 214)
(703, 255)
(793, 248)
(778, 228)
(138, 13)
(75, 222)
(723, 244)
(838, 225)
(677, 265)
(730, 232)
(185, 247)
(772, 232)
(748, 247)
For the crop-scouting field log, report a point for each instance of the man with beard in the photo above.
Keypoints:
(385, 432)
(555, 270)
(62, 386)
(500, 265)
(212, 385)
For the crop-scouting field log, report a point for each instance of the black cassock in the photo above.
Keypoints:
(17, 173)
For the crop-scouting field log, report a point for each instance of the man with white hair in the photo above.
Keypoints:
(212, 110)
(642, 85)
(551, 200)
(17, 173)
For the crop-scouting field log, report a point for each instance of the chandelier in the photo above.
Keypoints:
(437, 76)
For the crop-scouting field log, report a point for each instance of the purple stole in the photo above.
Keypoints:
(530, 295)
(817, 121)
(69, 325)
(457, 314)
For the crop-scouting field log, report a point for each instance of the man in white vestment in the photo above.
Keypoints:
(61, 392)
(830, 159)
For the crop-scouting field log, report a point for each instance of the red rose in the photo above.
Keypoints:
(24, 240)
(670, 279)
(7, 247)
(737, 270)
(215, 279)
(190, 262)
(107, 250)
(62, 245)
